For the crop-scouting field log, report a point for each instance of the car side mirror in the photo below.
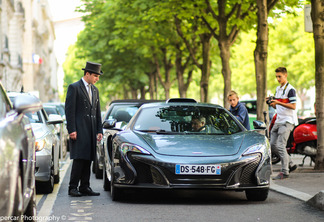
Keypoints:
(257, 124)
(109, 124)
(27, 103)
(54, 119)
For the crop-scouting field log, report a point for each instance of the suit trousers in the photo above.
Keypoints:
(80, 173)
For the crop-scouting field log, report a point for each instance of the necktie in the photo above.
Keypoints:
(89, 92)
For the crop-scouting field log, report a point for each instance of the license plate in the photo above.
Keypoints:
(198, 169)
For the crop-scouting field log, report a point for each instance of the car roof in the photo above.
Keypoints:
(180, 103)
(133, 101)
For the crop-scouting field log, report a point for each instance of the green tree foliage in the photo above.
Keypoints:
(134, 39)
(292, 47)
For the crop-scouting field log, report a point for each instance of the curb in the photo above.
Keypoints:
(316, 201)
(290, 192)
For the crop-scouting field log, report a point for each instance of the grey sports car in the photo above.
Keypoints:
(161, 147)
(17, 157)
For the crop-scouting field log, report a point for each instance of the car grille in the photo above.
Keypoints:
(143, 172)
(248, 172)
(245, 175)
(163, 174)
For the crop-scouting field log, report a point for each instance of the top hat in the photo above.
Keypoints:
(93, 68)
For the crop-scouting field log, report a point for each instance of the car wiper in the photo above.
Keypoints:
(161, 131)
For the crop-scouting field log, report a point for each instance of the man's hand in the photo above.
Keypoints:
(99, 137)
(73, 135)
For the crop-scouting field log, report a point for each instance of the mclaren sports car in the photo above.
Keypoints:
(183, 144)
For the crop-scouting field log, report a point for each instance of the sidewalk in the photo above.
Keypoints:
(304, 183)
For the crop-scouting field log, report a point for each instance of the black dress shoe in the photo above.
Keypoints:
(89, 192)
(74, 193)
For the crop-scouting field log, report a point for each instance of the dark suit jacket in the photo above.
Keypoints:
(83, 118)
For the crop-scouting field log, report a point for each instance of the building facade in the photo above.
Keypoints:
(27, 48)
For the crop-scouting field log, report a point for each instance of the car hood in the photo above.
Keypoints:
(193, 145)
(39, 130)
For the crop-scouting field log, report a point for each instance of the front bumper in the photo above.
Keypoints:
(43, 165)
(146, 171)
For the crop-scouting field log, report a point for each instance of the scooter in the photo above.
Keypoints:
(302, 140)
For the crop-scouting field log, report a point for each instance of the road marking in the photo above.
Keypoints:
(50, 198)
(79, 206)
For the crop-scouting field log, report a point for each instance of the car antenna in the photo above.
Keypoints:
(22, 89)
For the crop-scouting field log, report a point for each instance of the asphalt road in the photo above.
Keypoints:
(177, 206)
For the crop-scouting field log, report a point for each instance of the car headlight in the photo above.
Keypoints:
(257, 148)
(126, 147)
(40, 144)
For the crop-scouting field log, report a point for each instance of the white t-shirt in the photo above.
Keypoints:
(286, 94)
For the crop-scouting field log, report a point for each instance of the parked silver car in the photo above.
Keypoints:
(60, 128)
(47, 146)
(17, 156)
(61, 109)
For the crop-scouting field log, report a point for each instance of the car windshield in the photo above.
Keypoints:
(123, 112)
(186, 119)
(51, 110)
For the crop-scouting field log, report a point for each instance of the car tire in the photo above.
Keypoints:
(18, 204)
(57, 177)
(48, 186)
(275, 158)
(93, 167)
(115, 192)
(98, 172)
(257, 194)
(106, 182)
(31, 211)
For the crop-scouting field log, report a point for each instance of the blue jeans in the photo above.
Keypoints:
(278, 140)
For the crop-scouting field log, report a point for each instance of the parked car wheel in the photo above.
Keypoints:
(48, 186)
(57, 177)
(98, 172)
(93, 167)
(115, 192)
(257, 194)
(275, 158)
(31, 208)
(106, 184)
(18, 207)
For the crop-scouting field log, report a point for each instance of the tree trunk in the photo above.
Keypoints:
(151, 77)
(225, 54)
(318, 29)
(260, 58)
(125, 92)
(143, 92)
(205, 70)
(179, 71)
(167, 69)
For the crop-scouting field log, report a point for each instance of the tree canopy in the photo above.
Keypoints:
(155, 49)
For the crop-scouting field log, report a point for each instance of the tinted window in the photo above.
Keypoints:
(3, 110)
(181, 119)
(51, 110)
(4, 103)
(61, 110)
(34, 117)
(251, 106)
(123, 112)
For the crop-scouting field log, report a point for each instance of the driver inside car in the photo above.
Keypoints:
(198, 124)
